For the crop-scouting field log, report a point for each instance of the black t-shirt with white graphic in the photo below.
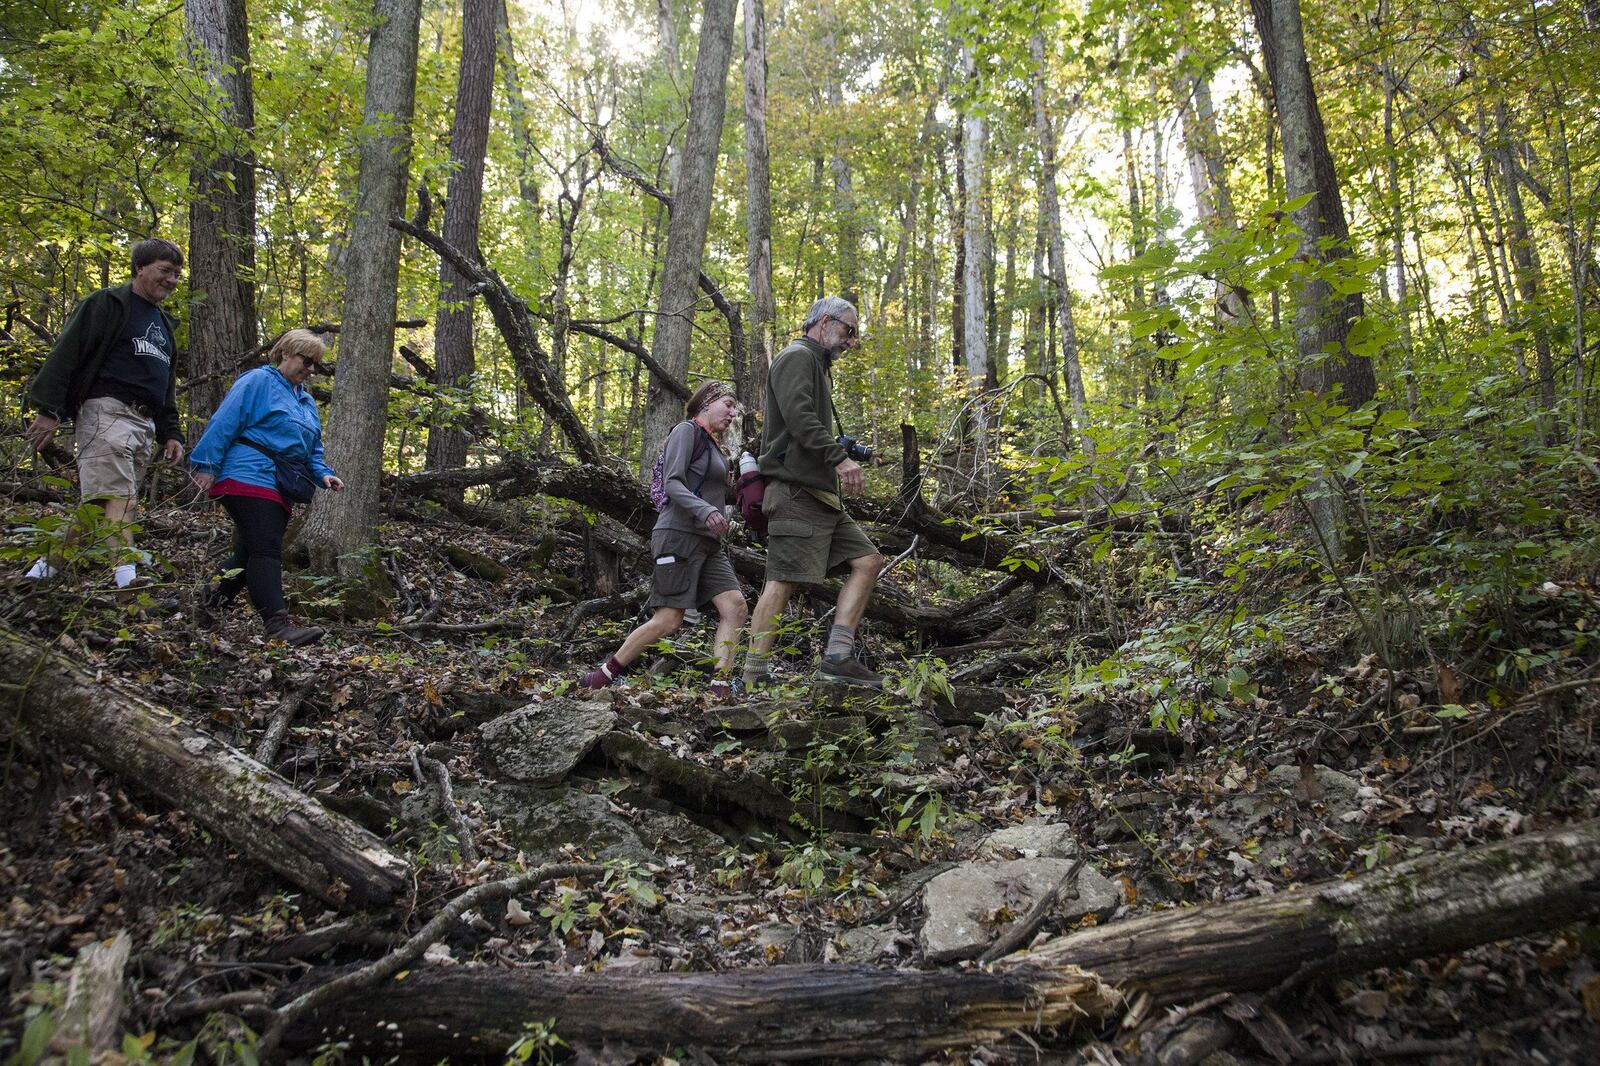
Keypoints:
(139, 362)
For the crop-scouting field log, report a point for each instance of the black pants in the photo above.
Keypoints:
(258, 527)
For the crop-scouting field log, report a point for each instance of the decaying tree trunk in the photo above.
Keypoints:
(154, 751)
(1433, 905)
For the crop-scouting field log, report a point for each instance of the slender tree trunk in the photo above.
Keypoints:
(1208, 173)
(1524, 256)
(222, 211)
(691, 215)
(454, 363)
(340, 523)
(1397, 241)
(517, 108)
(844, 198)
(1050, 219)
(758, 207)
(671, 65)
(974, 148)
(1323, 317)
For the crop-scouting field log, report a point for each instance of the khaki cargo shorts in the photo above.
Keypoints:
(114, 443)
(806, 539)
(691, 570)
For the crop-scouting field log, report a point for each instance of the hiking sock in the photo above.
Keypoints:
(756, 666)
(841, 642)
(612, 668)
(41, 569)
(125, 575)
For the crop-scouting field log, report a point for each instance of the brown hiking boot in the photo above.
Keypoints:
(279, 627)
(848, 672)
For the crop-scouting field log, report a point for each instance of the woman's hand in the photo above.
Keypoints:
(202, 480)
(332, 483)
(717, 522)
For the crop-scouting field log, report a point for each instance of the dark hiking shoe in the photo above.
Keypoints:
(208, 610)
(720, 690)
(279, 627)
(848, 672)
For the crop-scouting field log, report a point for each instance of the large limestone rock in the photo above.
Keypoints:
(965, 909)
(541, 742)
(538, 821)
(1033, 839)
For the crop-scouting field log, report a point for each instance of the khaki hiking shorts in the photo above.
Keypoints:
(114, 443)
(806, 539)
(691, 570)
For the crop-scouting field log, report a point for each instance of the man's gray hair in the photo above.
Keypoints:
(827, 307)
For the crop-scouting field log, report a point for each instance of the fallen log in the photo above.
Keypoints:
(1435, 904)
(155, 751)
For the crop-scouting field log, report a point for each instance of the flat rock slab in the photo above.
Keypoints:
(543, 741)
(966, 908)
(539, 821)
(1033, 839)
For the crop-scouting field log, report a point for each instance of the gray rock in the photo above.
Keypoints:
(538, 821)
(542, 741)
(867, 943)
(966, 908)
(1035, 838)
(1340, 792)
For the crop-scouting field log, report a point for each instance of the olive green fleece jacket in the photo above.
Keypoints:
(75, 360)
(798, 443)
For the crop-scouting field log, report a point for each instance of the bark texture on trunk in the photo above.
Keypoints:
(222, 210)
(1437, 904)
(691, 216)
(156, 752)
(340, 523)
(469, 138)
(758, 207)
(1322, 317)
(1050, 216)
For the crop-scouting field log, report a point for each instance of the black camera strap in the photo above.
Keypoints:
(833, 407)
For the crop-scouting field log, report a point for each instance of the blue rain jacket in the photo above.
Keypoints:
(281, 417)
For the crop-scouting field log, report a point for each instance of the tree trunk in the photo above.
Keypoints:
(691, 215)
(1322, 317)
(844, 197)
(153, 750)
(1524, 258)
(974, 147)
(339, 523)
(517, 107)
(1213, 195)
(1397, 241)
(469, 138)
(222, 211)
(1050, 212)
(1430, 906)
(758, 208)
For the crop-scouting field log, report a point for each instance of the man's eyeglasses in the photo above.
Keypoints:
(849, 330)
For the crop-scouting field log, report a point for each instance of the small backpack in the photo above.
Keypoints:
(658, 479)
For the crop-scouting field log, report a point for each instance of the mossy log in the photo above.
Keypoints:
(1432, 905)
(154, 751)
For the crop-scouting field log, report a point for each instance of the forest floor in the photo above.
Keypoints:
(1315, 756)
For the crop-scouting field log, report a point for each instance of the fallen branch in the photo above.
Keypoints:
(367, 976)
(440, 776)
(1440, 903)
(288, 707)
(234, 796)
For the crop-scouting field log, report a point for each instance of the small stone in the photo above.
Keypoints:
(1034, 839)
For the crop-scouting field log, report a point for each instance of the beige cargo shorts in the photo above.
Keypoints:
(114, 443)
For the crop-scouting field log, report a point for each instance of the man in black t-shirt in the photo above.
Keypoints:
(110, 370)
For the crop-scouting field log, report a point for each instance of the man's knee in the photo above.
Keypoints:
(867, 566)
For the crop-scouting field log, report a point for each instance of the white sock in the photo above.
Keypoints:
(41, 569)
(125, 575)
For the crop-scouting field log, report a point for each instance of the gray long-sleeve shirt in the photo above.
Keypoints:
(687, 509)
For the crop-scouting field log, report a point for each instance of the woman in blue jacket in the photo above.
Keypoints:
(268, 407)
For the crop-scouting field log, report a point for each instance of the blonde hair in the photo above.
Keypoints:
(301, 342)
